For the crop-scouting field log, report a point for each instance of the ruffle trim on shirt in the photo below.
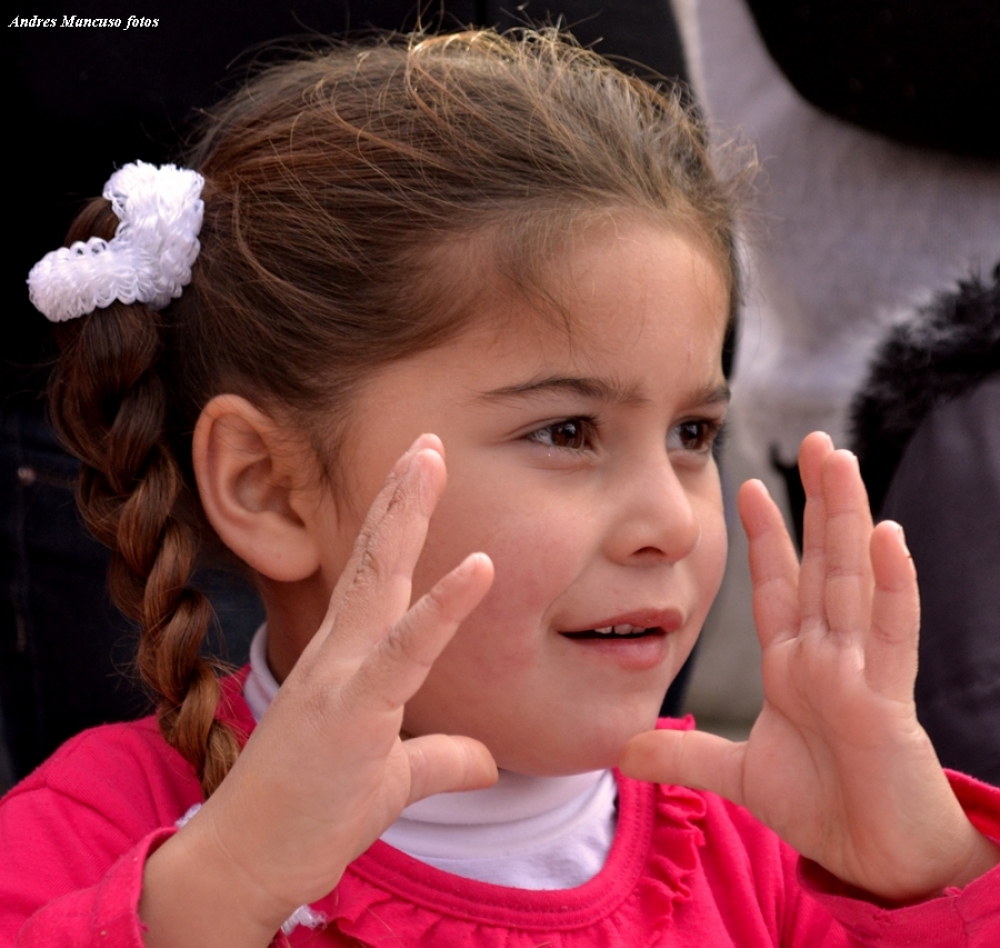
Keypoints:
(387, 898)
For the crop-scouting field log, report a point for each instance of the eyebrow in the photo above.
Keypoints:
(602, 389)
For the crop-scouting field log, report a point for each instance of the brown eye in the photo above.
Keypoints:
(696, 436)
(571, 434)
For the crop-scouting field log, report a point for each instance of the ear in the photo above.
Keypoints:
(255, 489)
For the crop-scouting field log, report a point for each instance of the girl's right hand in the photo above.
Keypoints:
(325, 772)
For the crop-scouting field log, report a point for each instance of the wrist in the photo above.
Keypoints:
(970, 861)
(193, 898)
(983, 855)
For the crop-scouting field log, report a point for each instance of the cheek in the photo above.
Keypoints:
(531, 574)
(485, 676)
(714, 548)
(536, 556)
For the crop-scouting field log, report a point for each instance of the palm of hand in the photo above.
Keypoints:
(816, 762)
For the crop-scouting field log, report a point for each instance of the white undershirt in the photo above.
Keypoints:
(526, 832)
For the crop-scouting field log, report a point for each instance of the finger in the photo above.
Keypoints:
(774, 567)
(375, 587)
(891, 652)
(440, 763)
(847, 599)
(398, 665)
(690, 758)
(816, 447)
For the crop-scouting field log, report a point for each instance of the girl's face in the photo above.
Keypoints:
(580, 460)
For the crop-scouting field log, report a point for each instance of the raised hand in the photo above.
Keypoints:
(836, 763)
(325, 772)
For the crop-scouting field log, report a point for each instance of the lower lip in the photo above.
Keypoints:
(638, 654)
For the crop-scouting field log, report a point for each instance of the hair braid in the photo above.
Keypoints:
(110, 406)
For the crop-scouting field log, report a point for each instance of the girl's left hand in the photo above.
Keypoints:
(837, 763)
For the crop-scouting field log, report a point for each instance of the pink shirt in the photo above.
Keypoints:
(686, 869)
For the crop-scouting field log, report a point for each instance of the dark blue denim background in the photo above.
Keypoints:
(66, 653)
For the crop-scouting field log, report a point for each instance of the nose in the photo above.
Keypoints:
(656, 517)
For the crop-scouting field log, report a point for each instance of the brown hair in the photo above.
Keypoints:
(337, 190)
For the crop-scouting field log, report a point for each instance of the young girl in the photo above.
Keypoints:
(505, 256)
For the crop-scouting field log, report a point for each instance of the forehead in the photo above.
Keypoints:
(614, 291)
(639, 310)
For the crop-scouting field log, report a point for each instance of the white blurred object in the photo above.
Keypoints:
(858, 229)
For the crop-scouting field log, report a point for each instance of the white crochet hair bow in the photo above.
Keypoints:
(150, 257)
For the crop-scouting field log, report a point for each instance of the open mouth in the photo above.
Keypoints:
(614, 632)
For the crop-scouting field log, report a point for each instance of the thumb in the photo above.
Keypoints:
(689, 758)
(440, 763)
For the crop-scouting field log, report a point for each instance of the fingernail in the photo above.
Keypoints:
(901, 534)
(469, 564)
(418, 443)
(902, 539)
(428, 440)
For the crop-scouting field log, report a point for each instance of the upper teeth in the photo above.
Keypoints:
(620, 629)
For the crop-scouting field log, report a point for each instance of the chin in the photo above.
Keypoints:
(578, 749)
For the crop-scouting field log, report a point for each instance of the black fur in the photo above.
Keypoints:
(946, 350)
